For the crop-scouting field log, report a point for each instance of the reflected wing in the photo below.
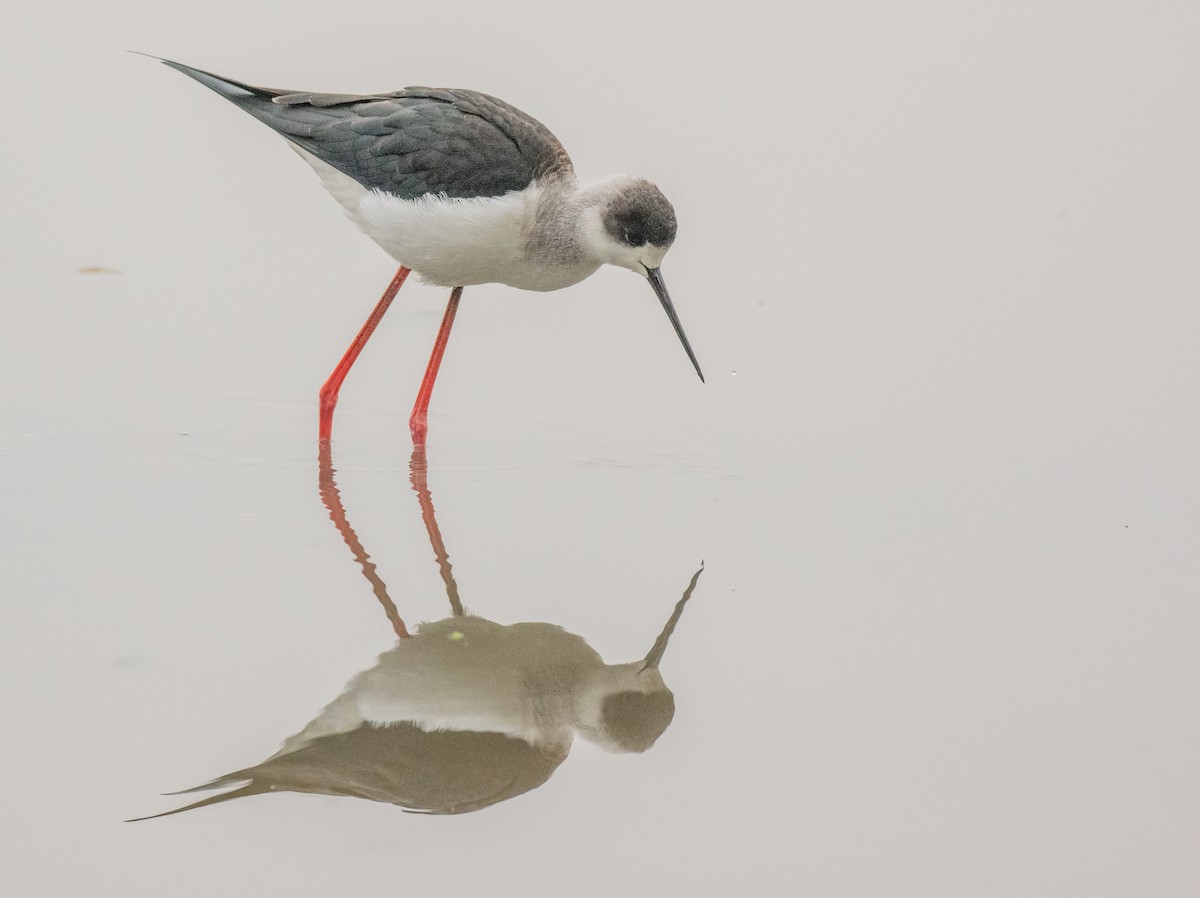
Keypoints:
(439, 772)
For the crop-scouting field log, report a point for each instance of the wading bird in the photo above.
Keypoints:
(463, 189)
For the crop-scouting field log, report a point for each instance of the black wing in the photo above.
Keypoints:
(410, 143)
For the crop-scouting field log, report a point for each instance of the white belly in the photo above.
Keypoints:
(453, 242)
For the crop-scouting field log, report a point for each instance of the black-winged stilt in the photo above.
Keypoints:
(463, 189)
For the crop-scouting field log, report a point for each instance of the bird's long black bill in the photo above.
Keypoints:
(654, 276)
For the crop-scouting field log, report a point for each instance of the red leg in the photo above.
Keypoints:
(418, 423)
(329, 392)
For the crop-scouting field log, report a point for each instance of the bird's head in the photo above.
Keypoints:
(629, 223)
(633, 224)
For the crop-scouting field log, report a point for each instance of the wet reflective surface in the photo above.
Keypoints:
(942, 475)
(465, 712)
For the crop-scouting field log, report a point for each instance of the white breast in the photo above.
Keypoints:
(453, 242)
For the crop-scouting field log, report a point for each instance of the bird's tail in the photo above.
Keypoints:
(226, 87)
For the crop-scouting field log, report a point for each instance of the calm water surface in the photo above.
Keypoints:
(942, 479)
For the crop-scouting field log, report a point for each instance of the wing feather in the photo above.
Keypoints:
(410, 143)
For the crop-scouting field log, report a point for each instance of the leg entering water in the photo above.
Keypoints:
(329, 392)
(418, 422)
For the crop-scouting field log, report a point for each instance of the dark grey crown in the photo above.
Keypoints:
(635, 720)
(640, 214)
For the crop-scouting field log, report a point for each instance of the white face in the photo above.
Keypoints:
(613, 252)
(636, 258)
(589, 699)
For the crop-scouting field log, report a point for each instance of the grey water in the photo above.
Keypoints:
(940, 269)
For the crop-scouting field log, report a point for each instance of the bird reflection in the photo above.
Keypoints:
(464, 712)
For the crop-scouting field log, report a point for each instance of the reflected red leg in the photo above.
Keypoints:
(331, 498)
(418, 423)
(329, 392)
(418, 476)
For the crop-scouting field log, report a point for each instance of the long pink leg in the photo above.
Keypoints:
(329, 392)
(418, 422)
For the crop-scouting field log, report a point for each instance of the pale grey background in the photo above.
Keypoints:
(940, 263)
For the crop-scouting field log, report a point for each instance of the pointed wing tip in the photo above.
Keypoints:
(152, 56)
